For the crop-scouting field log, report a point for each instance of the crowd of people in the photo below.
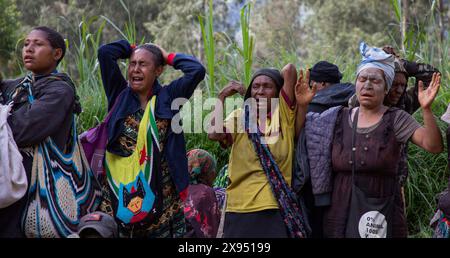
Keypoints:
(310, 156)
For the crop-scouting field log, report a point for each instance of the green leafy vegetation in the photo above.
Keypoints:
(233, 38)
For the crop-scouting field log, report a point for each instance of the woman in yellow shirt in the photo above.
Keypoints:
(260, 202)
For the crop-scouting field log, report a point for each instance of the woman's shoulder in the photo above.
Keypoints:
(395, 110)
(404, 124)
(328, 115)
(60, 82)
(398, 113)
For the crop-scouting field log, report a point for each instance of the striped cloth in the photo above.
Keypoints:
(286, 198)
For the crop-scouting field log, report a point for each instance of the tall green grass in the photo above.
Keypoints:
(428, 173)
(232, 61)
(209, 44)
(88, 75)
(225, 58)
(228, 60)
(129, 31)
(248, 42)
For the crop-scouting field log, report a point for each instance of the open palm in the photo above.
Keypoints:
(426, 96)
(303, 93)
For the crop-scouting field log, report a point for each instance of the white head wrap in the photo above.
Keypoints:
(373, 57)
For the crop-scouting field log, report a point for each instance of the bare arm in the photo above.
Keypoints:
(216, 131)
(429, 136)
(290, 78)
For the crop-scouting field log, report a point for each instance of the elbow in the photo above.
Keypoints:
(196, 69)
(196, 75)
(436, 149)
(102, 52)
(289, 70)
(200, 73)
(212, 136)
(21, 139)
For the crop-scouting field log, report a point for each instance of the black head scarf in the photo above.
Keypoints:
(324, 71)
(272, 73)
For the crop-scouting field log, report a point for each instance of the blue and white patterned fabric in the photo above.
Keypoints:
(62, 187)
(373, 57)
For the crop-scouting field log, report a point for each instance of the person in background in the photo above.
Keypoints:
(326, 77)
(330, 91)
(220, 184)
(201, 207)
(97, 225)
(220, 188)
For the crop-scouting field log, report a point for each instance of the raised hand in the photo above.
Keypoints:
(427, 96)
(303, 93)
(390, 50)
(232, 88)
(164, 53)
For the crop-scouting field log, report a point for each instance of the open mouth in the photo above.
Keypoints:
(137, 79)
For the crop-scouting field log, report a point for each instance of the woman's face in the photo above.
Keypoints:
(371, 87)
(38, 55)
(142, 71)
(397, 89)
(263, 88)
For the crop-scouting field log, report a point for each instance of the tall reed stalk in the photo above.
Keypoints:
(247, 42)
(209, 46)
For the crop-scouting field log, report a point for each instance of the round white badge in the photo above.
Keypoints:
(373, 224)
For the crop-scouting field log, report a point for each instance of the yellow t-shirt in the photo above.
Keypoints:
(249, 189)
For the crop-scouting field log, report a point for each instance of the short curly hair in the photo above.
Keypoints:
(55, 38)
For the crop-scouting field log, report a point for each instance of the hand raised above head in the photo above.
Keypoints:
(303, 93)
(232, 88)
(427, 96)
(390, 50)
(289, 70)
(163, 51)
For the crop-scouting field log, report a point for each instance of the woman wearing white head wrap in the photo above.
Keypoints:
(364, 160)
(373, 57)
(376, 64)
